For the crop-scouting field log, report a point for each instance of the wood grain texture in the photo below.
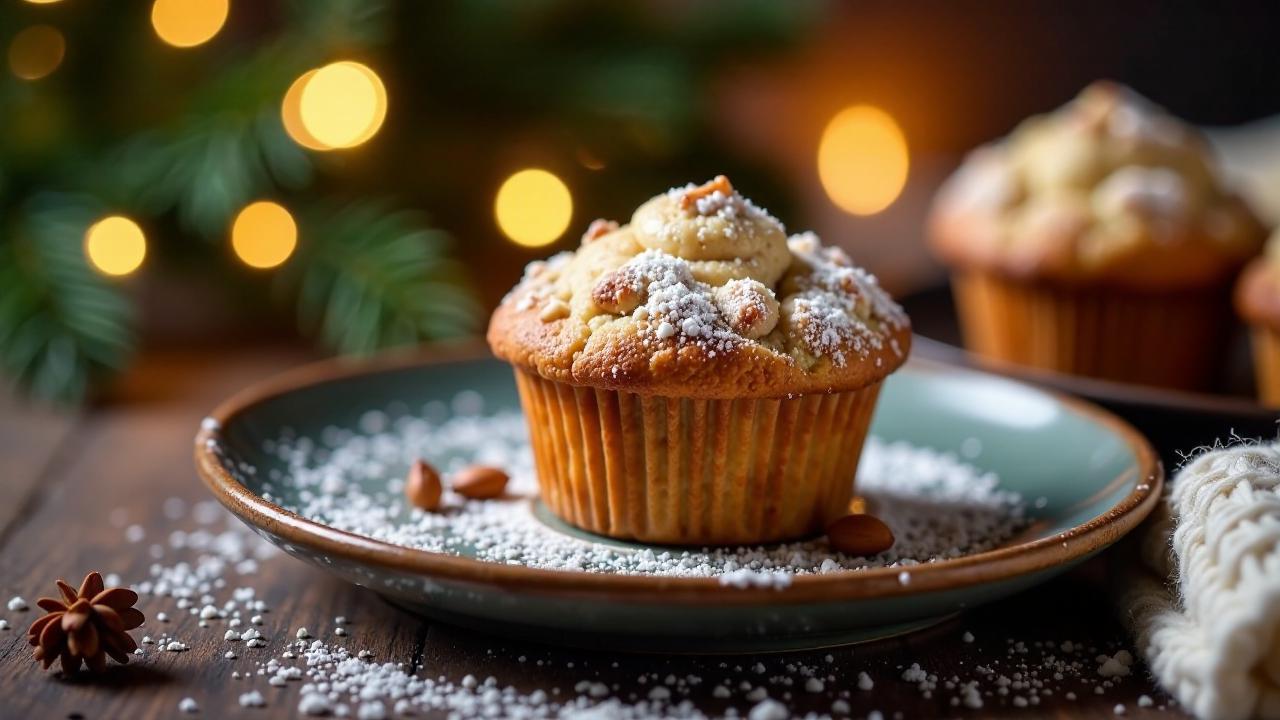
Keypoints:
(29, 435)
(119, 464)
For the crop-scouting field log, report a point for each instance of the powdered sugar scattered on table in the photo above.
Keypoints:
(208, 560)
(938, 507)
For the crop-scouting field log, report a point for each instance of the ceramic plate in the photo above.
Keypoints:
(1095, 479)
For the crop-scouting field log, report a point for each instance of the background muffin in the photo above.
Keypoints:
(1097, 240)
(696, 376)
(1258, 301)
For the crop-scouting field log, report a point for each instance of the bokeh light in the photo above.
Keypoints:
(36, 51)
(862, 160)
(115, 245)
(264, 234)
(338, 106)
(42, 2)
(187, 23)
(533, 207)
(291, 114)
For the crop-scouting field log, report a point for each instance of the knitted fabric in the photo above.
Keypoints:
(1205, 606)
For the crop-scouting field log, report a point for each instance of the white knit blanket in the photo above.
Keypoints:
(1207, 613)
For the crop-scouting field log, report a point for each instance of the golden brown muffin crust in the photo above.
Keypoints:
(1109, 189)
(702, 295)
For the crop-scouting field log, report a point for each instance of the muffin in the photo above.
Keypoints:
(1258, 302)
(1097, 240)
(696, 376)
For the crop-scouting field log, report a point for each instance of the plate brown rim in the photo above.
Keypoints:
(1003, 563)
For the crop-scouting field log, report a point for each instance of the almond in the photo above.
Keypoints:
(690, 198)
(423, 487)
(860, 535)
(479, 482)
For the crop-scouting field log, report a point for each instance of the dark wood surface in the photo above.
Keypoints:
(72, 482)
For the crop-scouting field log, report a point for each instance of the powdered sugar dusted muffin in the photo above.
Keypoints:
(695, 376)
(1258, 302)
(1092, 236)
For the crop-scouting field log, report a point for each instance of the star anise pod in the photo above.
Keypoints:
(85, 626)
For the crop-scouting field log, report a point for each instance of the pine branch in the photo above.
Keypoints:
(365, 278)
(340, 23)
(230, 146)
(61, 325)
(227, 150)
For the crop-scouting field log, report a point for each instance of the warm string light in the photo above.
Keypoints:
(335, 107)
(188, 23)
(533, 207)
(36, 51)
(115, 245)
(291, 114)
(264, 234)
(862, 160)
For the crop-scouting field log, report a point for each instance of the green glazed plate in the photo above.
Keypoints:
(1097, 477)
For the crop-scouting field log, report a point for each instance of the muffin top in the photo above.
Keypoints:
(1109, 189)
(702, 295)
(1258, 292)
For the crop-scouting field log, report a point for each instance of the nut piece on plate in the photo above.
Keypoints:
(423, 487)
(861, 535)
(479, 482)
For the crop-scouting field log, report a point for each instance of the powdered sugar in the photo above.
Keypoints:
(837, 308)
(676, 305)
(531, 292)
(1130, 116)
(1158, 193)
(746, 577)
(937, 506)
(984, 183)
(717, 203)
(712, 276)
(725, 206)
(199, 568)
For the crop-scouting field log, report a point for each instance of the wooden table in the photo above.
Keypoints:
(71, 481)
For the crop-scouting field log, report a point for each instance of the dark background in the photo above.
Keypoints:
(619, 100)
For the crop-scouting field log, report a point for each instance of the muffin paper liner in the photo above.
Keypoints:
(1266, 363)
(1169, 339)
(694, 471)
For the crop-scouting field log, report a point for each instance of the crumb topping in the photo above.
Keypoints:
(702, 269)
